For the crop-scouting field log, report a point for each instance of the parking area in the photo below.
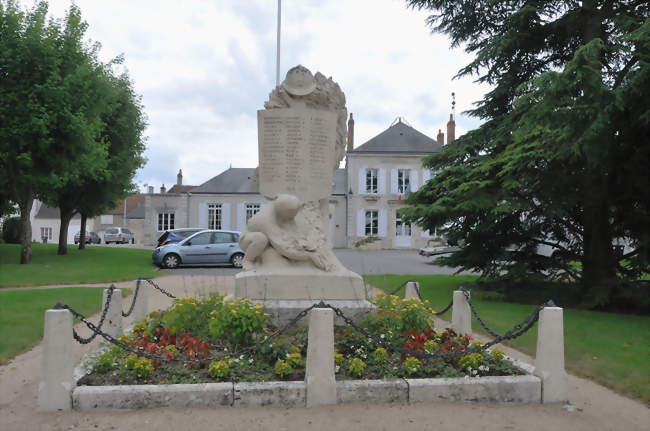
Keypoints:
(361, 262)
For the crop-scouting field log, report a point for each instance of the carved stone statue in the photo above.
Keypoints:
(302, 136)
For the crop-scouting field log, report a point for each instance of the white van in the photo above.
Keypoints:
(118, 235)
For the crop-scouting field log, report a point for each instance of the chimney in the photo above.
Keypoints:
(451, 129)
(150, 190)
(351, 133)
(179, 178)
(440, 138)
(163, 189)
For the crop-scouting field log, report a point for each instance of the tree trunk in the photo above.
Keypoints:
(599, 265)
(82, 234)
(26, 228)
(66, 216)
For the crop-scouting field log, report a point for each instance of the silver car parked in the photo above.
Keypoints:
(204, 247)
(118, 235)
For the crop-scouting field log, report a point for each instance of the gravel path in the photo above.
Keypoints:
(593, 407)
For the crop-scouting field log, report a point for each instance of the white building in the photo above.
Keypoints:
(365, 199)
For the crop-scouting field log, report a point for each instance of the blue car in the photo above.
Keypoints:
(204, 247)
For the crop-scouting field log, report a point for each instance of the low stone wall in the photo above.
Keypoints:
(507, 389)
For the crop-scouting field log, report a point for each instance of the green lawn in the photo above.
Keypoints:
(612, 349)
(22, 314)
(92, 265)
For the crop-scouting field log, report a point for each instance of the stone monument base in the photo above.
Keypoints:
(286, 293)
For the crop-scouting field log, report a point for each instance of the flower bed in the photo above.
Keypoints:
(212, 340)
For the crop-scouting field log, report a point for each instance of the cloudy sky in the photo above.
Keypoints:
(203, 68)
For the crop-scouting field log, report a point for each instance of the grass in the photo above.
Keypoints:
(610, 348)
(92, 265)
(22, 314)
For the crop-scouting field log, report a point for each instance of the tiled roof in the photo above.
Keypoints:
(399, 138)
(132, 202)
(180, 189)
(50, 213)
(241, 181)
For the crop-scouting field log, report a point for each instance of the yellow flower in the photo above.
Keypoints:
(267, 314)
(233, 311)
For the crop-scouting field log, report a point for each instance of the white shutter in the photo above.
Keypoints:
(361, 223)
(381, 181)
(425, 233)
(241, 217)
(393, 181)
(426, 176)
(203, 215)
(413, 180)
(362, 181)
(225, 216)
(383, 223)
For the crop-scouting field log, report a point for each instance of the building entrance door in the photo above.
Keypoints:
(402, 233)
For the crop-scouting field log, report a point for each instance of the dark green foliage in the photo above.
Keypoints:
(563, 159)
(11, 230)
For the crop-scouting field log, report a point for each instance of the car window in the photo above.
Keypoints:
(111, 230)
(126, 231)
(186, 233)
(201, 238)
(221, 237)
(235, 237)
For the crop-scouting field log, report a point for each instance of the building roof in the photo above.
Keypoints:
(132, 202)
(241, 181)
(51, 213)
(136, 213)
(180, 189)
(399, 138)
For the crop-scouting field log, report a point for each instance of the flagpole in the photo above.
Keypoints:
(277, 59)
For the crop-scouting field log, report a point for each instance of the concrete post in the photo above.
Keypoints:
(113, 322)
(461, 315)
(141, 306)
(549, 360)
(411, 290)
(319, 373)
(57, 363)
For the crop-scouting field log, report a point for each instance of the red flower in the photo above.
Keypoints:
(127, 341)
(469, 337)
(152, 346)
(157, 330)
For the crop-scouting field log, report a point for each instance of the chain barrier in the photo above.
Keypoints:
(158, 287)
(402, 285)
(78, 337)
(135, 297)
(515, 332)
(417, 290)
(113, 340)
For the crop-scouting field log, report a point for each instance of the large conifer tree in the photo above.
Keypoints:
(563, 157)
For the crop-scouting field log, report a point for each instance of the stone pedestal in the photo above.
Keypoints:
(57, 363)
(411, 290)
(319, 372)
(142, 302)
(461, 315)
(285, 293)
(549, 358)
(113, 321)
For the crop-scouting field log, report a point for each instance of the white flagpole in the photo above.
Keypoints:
(277, 59)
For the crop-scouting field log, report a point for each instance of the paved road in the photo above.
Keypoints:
(361, 262)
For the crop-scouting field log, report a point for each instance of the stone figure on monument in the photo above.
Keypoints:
(292, 229)
(301, 140)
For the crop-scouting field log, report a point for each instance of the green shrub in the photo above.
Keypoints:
(237, 321)
(356, 367)
(191, 314)
(282, 368)
(11, 230)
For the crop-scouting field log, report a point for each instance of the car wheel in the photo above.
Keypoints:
(132, 240)
(237, 260)
(171, 261)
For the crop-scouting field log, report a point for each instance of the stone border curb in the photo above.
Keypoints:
(502, 389)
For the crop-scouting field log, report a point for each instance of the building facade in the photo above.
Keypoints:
(363, 207)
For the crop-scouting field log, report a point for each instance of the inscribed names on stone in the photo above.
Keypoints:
(296, 152)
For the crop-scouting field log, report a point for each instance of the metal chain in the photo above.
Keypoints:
(515, 332)
(135, 296)
(97, 331)
(400, 286)
(78, 337)
(158, 287)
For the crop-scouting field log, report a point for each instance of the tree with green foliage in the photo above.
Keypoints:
(562, 159)
(56, 113)
(123, 131)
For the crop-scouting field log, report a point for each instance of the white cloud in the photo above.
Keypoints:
(205, 67)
